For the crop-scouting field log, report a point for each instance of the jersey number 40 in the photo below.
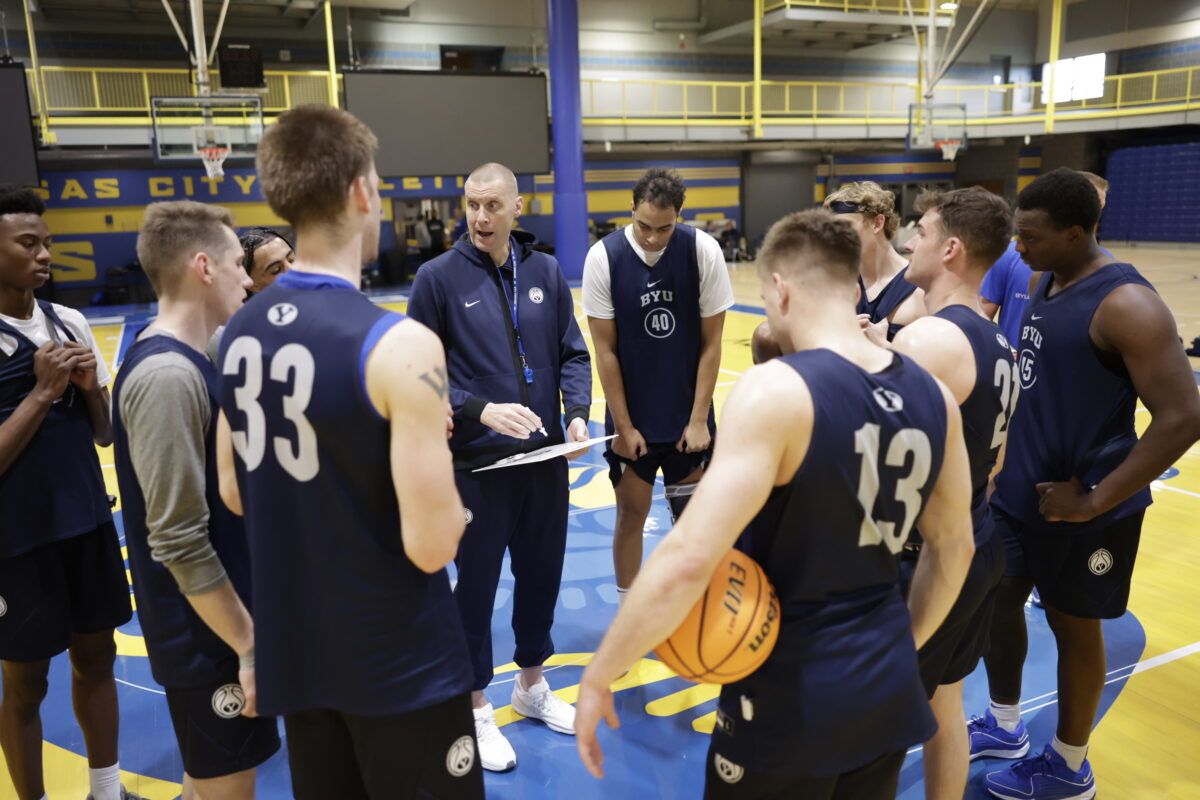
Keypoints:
(293, 362)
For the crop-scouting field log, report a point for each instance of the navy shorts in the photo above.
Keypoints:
(675, 466)
(1086, 575)
(725, 780)
(214, 738)
(76, 585)
(954, 650)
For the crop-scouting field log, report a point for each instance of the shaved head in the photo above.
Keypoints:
(493, 173)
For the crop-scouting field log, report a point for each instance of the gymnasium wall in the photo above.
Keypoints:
(94, 215)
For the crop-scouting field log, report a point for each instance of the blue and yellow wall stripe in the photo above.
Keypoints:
(1029, 166)
(94, 215)
(907, 167)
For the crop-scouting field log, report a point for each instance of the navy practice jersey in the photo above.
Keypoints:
(986, 411)
(657, 314)
(343, 619)
(841, 687)
(53, 490)
(893, 295)
(184, 652)
(1074, 418)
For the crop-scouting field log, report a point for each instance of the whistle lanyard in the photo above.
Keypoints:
(514, 310)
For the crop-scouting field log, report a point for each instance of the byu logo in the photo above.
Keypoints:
(228, 701)
(282, 314)
(470, 517)
(3, 607)
(461, 756)
(535, 295)
(1003, 342)
(888, 400)
(1100, 562)
(727, 770)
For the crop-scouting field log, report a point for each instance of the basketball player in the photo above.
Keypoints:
(827, 457)
(1075, 485)
(886, 295)
(515, 353)
(337, 411)
(62, 577)
(960, 234)
(187, 552)
(655, 293)
(268, 255)
(1006, 286)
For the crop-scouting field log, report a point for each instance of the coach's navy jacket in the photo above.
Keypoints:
(459, 296)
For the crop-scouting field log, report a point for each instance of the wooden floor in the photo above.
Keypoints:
(1147, 744)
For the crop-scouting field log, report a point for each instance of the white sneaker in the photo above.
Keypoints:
(538, 702)
(495, 753)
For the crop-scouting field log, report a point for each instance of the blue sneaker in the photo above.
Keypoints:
(989, 740)
(1044, 777)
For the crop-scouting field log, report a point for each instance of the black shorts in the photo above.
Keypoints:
(427, 753)
(77, 585)
(876, 781)
(214, 738)
(954, 650)
(1085, 575)
(675, 466)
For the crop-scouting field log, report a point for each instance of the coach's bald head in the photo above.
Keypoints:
(493, 205)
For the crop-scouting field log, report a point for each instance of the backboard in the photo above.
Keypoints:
(938, 125)
(182, 126)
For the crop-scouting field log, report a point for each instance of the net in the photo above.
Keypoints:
(214, 160)
(949, 148)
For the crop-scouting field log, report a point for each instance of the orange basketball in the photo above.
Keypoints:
(733, 628)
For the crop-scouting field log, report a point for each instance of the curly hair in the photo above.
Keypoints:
(872, 200)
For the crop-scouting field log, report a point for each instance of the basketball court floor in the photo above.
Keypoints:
(1147, 741)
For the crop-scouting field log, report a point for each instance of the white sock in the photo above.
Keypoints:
(105, 782)
(1074, 756)
(44, 797)
(621, 596)
(1009, 717)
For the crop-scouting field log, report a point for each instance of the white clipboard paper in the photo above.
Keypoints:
(544, 454)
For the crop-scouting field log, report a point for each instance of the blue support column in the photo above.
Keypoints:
(570, 196)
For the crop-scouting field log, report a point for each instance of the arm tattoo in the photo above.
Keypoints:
(437, 381)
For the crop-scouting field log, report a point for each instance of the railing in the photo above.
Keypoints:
(730, 103)
(81, 95)
(127, 91)
(859, 6)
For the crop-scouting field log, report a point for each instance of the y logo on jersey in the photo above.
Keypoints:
(3, 607)
(282, 314)
(535, 295)
(888, 400)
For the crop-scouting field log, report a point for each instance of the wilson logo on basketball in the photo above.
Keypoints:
(731, 630)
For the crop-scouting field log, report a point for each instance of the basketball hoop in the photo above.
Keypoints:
(214, 159)
(949, 148)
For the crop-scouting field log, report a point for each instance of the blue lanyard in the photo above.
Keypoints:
(514, 310)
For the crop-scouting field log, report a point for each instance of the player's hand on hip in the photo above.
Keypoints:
(52, 367)
(510, 419)
(1065, 501)
(696, 437)
(577, 431)
(630, 444)
(594, 703)
(246, 679)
